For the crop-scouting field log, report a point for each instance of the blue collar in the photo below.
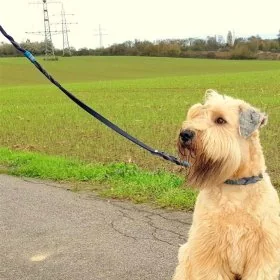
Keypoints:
(245, 180)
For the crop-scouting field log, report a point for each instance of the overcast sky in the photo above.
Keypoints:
(143, 19)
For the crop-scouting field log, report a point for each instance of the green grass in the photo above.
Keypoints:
(148, 97)
(123, 181)
(18, 71)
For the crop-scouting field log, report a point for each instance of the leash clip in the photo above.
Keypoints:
(172, 158)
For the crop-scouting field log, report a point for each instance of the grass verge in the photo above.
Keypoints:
(119, 180)
(147, 97)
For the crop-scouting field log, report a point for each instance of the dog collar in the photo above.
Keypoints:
(245, 180)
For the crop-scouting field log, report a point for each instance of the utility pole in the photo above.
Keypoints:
(49, 47)
(100, 34)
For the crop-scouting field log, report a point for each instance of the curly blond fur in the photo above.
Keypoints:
(236, 229)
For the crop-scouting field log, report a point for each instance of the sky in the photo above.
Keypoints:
(124, 20)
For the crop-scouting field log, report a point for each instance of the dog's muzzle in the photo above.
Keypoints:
(186, 136)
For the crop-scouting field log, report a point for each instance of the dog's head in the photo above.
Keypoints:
(217, 138)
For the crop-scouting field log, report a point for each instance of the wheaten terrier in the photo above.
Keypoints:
(236, 225)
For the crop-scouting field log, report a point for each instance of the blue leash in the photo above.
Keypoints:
(92, 112)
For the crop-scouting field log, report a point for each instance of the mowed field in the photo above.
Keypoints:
(148, 97)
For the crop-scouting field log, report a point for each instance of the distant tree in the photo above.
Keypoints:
(243, 51)
(198, 45)
(211, 47)
(211, 43)
(220, 40)
(8, 50)
(191, 41)
(254, 42)
(239, 40)
(230, 39)
(83, 51)
(254, 38)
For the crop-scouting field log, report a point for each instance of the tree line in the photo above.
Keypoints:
(211, 47)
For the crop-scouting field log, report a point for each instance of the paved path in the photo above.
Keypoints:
(50, 233)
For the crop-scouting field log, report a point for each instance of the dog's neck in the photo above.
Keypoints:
(252, 166)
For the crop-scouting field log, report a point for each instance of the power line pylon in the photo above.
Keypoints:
(49, 47)
(100, 34)
(66, 51)
(65, 40)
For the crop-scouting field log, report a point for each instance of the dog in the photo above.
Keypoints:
(235, 234)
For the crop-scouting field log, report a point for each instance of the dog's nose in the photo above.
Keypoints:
(187, 135)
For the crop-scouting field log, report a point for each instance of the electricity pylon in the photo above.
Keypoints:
(66, 51)
(100, 34)
(49, 47)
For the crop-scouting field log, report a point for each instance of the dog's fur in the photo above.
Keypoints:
(236, 228)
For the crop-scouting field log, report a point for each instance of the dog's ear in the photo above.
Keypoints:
(250, 120)
(212, 96)
(210, 93)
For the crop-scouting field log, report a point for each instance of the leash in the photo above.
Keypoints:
(92, 112)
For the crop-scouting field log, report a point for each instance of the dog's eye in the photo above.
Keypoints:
(220, 121)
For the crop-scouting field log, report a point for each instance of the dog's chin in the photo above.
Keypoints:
(186, 150)
(203, 170)
(189, 147)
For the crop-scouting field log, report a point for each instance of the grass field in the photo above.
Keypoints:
(148, 97)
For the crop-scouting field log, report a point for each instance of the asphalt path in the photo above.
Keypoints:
(48, 232)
